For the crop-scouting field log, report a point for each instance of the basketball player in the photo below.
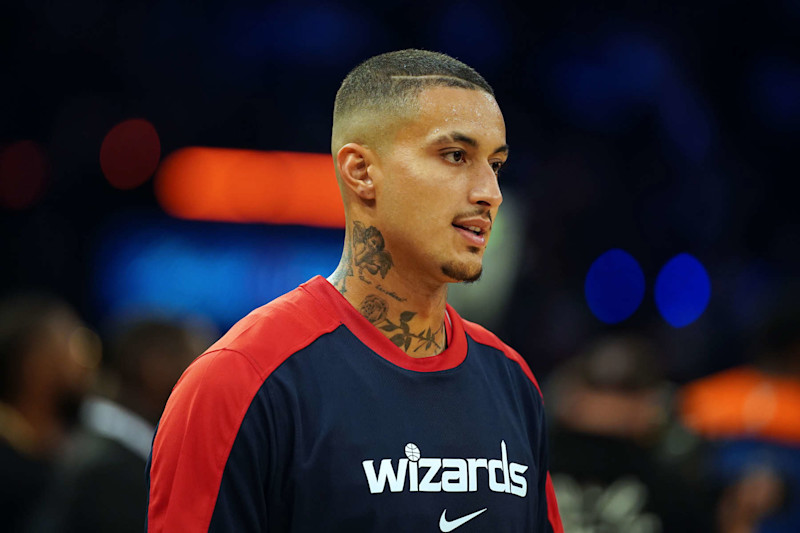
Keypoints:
(363, 402)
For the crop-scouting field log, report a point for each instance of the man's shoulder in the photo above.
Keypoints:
(277, 329)
(481, 335)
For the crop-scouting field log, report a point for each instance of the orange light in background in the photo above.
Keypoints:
(130, 152)
(23, 173)
(743, 402)
(221, 184)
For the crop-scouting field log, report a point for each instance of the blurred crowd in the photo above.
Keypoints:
(78, 412)
(634, 452)
(630, 450)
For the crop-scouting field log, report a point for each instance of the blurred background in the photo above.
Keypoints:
(162, 171)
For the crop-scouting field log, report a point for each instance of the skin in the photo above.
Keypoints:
(438, 168)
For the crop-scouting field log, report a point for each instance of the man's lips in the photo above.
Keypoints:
(477, 225)
(473, 229)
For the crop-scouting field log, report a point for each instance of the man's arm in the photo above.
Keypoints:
(548, 506)
(208, 465)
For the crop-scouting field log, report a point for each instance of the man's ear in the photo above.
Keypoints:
(355, 164)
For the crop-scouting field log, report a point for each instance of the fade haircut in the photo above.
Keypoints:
(387, 85)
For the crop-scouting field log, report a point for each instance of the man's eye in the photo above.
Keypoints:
(496, 166)
(455, 157)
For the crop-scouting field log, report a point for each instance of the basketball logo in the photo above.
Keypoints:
(412, 452)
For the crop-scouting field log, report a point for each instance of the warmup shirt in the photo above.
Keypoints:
(305, 418)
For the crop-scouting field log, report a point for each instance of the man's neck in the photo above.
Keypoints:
(409, 314)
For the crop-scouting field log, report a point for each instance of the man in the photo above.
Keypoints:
(99, 483)
(364, 402)
(47, 361)
(614, 440)
(747, 418)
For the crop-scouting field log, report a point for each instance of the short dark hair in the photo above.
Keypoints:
(392, 79)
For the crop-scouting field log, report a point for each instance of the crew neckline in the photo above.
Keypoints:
(452, 356)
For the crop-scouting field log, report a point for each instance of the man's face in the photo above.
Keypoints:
(438, 194)
(63, 363)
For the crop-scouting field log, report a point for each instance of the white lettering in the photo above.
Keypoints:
(474, 465)
(413, 477)
(519, 485)
(427, 484)
(377, 484)
(454, 480)
(496, 465)
(504, 457)
(457, 475)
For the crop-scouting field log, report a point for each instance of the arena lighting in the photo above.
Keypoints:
(614, 286)
(146, 263)
(743, 401)
(230, 185)
(130, 152)
(683, 290)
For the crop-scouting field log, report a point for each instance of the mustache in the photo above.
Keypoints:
(483, 212)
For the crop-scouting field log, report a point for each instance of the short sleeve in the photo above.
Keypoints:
(192, 469)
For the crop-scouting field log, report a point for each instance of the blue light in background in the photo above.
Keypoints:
(222, 271)
(614, 286)
(683, 290)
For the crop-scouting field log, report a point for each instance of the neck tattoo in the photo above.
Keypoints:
(375, 309)
(366, 261)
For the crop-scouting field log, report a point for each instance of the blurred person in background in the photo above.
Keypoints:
(47, 360)
(618, 463)
(100, 483)
(750, 419)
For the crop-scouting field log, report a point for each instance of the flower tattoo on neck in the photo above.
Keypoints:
(374, 308)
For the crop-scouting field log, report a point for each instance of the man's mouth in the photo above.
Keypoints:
(474, 229)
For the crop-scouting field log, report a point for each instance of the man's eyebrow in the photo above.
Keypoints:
(466, 139)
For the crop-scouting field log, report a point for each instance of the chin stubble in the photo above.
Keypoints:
(461, 272)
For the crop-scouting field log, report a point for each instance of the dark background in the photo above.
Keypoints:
(656, 127)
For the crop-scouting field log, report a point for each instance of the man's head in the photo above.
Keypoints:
(417, 141)
(382, 91)
(148, 356)
(47, 356)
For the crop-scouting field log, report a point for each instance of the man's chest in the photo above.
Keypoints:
(406, 454)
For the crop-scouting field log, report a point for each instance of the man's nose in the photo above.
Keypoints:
(486, 189)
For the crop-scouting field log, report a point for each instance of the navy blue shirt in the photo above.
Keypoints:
(306, 418)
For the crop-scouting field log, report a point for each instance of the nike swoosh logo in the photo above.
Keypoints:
(446, 525)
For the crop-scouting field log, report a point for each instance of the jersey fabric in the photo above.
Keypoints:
(304, 417)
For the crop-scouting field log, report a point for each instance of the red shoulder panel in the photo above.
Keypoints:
(283, 326)
(205, 411)
(195, 435)
(484, 336)
(552, 507)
